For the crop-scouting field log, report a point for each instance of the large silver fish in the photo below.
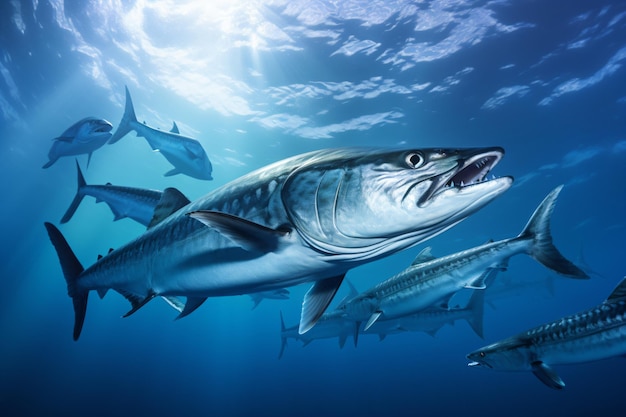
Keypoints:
(590, 335)
(432, 280)
(311, 217)
(186, 154)
(83, 137)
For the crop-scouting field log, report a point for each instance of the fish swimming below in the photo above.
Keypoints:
(594, 334)
(309, 218)
(186, 154)
(428, 280)
(83, 137)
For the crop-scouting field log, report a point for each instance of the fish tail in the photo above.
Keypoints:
(71, 270)
(542, 248)
(127, 119)
(283, 338)
(77, 198)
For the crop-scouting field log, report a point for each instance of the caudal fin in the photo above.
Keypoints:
(125, 124)
(71, 270)
(77, 198)
(542, 248)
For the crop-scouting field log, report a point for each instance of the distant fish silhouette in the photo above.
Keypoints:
(84, 136)
(279, 294)
(186, 154)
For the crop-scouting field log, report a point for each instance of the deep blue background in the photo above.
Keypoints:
(263, 81)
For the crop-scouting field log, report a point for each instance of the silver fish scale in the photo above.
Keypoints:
(601, 318)
(422, 273)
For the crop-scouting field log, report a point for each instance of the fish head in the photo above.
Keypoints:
(89, 129)
(507, 355)
(366, 204)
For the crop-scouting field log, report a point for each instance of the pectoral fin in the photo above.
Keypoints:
(136, 301)
(547, 375)
(249, 235)
(176, 303)
(372, 320)
(171, 172)
(316, 300)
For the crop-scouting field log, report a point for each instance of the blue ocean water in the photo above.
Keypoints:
(258, 81)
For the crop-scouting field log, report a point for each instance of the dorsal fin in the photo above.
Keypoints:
(175, 129)
(171, 200)
(425, 255)
(619, 291)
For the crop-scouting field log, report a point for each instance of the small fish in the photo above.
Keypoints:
(186, 154)
(332, 324)
(590, 335)
(430, 280)
(309, 218)
(84, 136)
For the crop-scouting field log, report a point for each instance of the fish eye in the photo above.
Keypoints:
(414, 160)
(482, 354)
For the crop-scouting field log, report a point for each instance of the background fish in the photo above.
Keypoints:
(83, 137)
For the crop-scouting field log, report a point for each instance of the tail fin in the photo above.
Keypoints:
(129, 116)
(476, 306)
(77, 198)
(283, 338)
(542, 249)
(71, 270)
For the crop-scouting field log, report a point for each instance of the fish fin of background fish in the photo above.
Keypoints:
(72, 269)
(127, 119)
(547, 375)
(191, 305)
(372, 319)
(49, 163)
(316, 300)
(136, 301)
(172, 172)
(171, 201)
(176, 303)
(342, 340)
(77, 198)
(619, 291)
(244, 233)
(425, 255)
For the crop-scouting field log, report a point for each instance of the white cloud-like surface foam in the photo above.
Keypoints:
(577, 84)
(504, 94)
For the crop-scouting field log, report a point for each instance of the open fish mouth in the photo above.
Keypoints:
(102, 127)
(468, 172)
